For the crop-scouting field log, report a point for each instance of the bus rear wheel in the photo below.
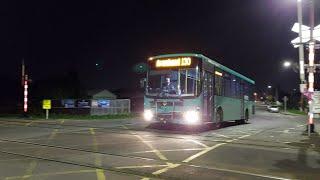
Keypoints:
(219, 118)
(246, 118)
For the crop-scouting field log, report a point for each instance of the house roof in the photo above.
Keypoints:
(101, 94)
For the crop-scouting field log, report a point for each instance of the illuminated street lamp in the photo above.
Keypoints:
(286, 64)
(269, 87)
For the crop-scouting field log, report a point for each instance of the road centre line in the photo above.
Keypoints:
(99, 172)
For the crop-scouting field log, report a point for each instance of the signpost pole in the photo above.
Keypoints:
(46, 104)
(47, 113)
(285, 99)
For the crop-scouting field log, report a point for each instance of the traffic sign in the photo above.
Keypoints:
(316, 102)
(46, 104)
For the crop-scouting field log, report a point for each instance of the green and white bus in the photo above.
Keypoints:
(192, 89)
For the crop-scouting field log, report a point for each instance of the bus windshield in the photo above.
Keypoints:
(174, 82)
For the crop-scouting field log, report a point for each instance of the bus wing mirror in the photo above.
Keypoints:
(143, 82)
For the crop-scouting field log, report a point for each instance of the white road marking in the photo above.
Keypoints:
(142, 166)
(221, 135)
(242, 172)
(198, 142)
(167, 150)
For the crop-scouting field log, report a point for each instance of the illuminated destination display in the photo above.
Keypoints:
(174, 62)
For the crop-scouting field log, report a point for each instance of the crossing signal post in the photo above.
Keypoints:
(307, 35)
(25, 95)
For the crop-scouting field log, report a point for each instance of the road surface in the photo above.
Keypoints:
(270, 146)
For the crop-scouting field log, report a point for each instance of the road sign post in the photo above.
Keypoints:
(46, 104)
(285, 99)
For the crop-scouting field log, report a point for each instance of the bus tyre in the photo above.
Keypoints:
(246, 118)
(219, 118)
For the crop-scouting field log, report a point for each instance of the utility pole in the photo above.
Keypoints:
(311, 67)
(301, 53)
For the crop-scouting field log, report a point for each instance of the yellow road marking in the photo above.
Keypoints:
(99, 172)
(156, 151)
(34, 163)
(170, 166)
(206, 150)
(145, 178)
(202, 152)
(92, 131)
(52, 174)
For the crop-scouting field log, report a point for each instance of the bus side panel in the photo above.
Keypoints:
(231, 107)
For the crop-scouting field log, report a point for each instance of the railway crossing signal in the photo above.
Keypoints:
(305, 34)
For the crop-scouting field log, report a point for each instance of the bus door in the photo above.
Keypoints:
(208, 96)
(242, 100)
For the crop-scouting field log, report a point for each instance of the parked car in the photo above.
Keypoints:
(273, 108)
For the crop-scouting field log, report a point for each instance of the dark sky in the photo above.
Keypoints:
(250, 36)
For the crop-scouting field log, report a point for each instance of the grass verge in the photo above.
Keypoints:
(295, 111)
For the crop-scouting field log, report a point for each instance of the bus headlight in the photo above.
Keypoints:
(148, 114)
(191, 117)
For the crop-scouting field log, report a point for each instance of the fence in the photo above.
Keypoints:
(91, 106)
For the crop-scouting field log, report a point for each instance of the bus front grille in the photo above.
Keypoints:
(168, 117)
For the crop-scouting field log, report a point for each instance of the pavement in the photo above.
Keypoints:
(270, 146)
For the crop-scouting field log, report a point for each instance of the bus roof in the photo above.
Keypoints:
(208, 60)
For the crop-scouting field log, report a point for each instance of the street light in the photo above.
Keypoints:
(286, 64)
(269, 87)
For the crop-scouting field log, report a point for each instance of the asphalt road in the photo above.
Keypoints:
(270, 146)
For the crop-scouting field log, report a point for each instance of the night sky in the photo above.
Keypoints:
(54, 37)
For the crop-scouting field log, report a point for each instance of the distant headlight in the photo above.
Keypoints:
(148, 114)
(191, 117)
